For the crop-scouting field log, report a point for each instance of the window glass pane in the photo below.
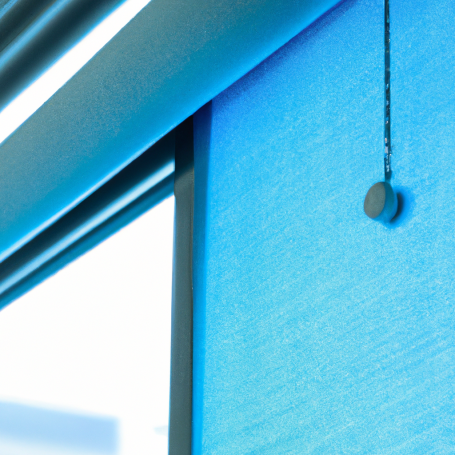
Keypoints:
(92, 345)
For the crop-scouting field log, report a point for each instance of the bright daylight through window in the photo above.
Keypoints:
(85, 356)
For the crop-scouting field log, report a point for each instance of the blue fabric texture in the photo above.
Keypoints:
(318, 330)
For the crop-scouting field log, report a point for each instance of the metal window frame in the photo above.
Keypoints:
(181, 387)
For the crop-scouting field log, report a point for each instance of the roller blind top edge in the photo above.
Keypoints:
(171, 59)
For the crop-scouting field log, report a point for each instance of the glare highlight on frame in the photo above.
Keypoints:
(31, 99)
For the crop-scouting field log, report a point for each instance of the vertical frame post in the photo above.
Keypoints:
(180, 412)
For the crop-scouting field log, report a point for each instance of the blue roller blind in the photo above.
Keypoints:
(318, 330)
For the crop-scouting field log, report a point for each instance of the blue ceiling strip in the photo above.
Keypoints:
(35, 33)
(167, 62)
(27, 429)
(17, 15)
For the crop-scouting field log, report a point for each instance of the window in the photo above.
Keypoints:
(93, 342)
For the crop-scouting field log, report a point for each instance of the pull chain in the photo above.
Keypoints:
(381, 201)
(387, 135)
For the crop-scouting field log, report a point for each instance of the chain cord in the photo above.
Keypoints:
(387, 135)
